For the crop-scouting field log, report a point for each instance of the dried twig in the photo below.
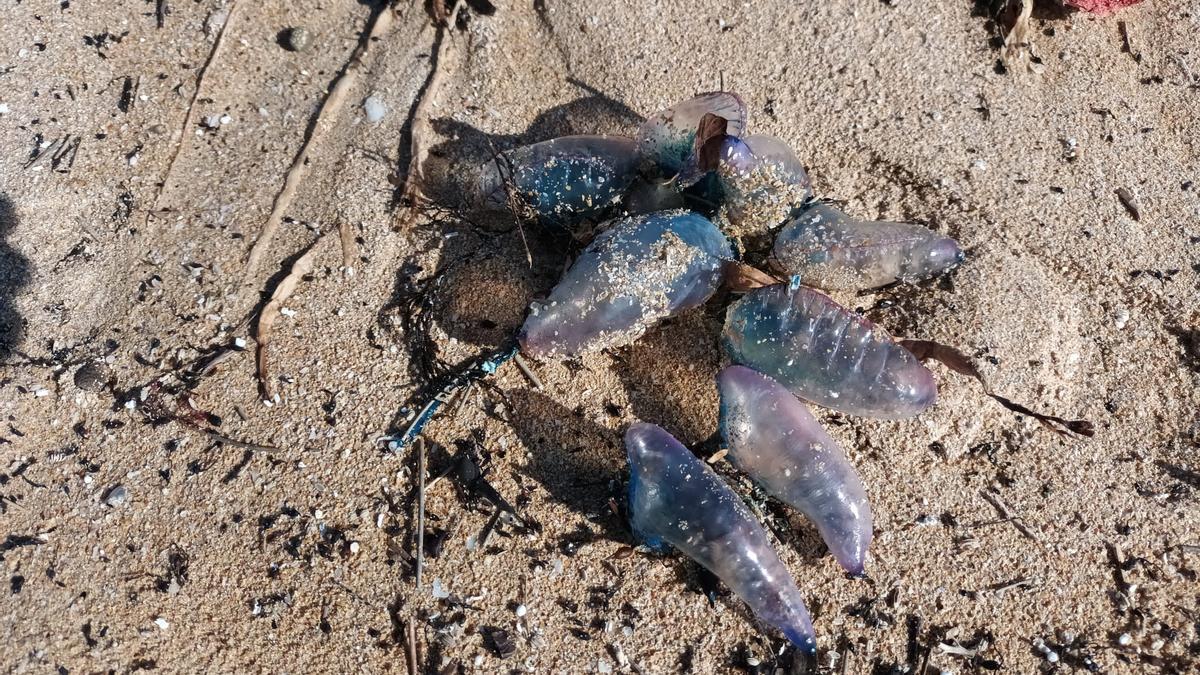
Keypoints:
(411, 629)
(411, 192)
(528, 372)
(187, 119)
(420, 507)
(221, 438)
(1008, 515)
(347, 239)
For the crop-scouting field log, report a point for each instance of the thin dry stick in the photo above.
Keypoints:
(187, 119)
(412, 193)
(1007, 514)
(411, 629)
(347, 237)
(420, 507)
(438, 478)
(221, 438)
(329, 109)
(524, 366)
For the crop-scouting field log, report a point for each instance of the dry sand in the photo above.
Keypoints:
(222, 559)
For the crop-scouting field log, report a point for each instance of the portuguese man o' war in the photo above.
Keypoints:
(674, 498)
(833, 251)
(775, 440)
(760, 182)
(561, 181)
(671, 205)
(637, 272)
(826, 354)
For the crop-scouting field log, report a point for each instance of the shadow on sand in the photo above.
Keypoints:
(14, 275)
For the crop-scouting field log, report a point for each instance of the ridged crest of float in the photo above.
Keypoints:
(826, 354)
(759, 182)
(666, 138)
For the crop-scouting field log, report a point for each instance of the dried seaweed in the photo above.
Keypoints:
(710, 135)
(961, 363)
(742, 278)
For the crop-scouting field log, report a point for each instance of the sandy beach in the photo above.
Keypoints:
(165, 165)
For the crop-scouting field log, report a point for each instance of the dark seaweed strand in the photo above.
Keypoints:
(962, 364)
(477, 370)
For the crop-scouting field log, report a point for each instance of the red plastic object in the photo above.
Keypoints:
(1101, 6)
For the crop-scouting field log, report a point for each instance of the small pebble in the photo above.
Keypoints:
(93, 376)
(162, 623)
(297, 39)
(374, 109)
(1125, 639)
(215, 22)
(1070, 149)
(521, 610)
(116, 496)
(619, 655)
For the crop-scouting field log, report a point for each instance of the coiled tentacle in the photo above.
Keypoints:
(637, 272)
(776, 441)
(674, 498)
(833, 251)
(826, 354)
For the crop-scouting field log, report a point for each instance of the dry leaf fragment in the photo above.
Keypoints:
(962, 364)
(743, 278)
(1131, 202)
